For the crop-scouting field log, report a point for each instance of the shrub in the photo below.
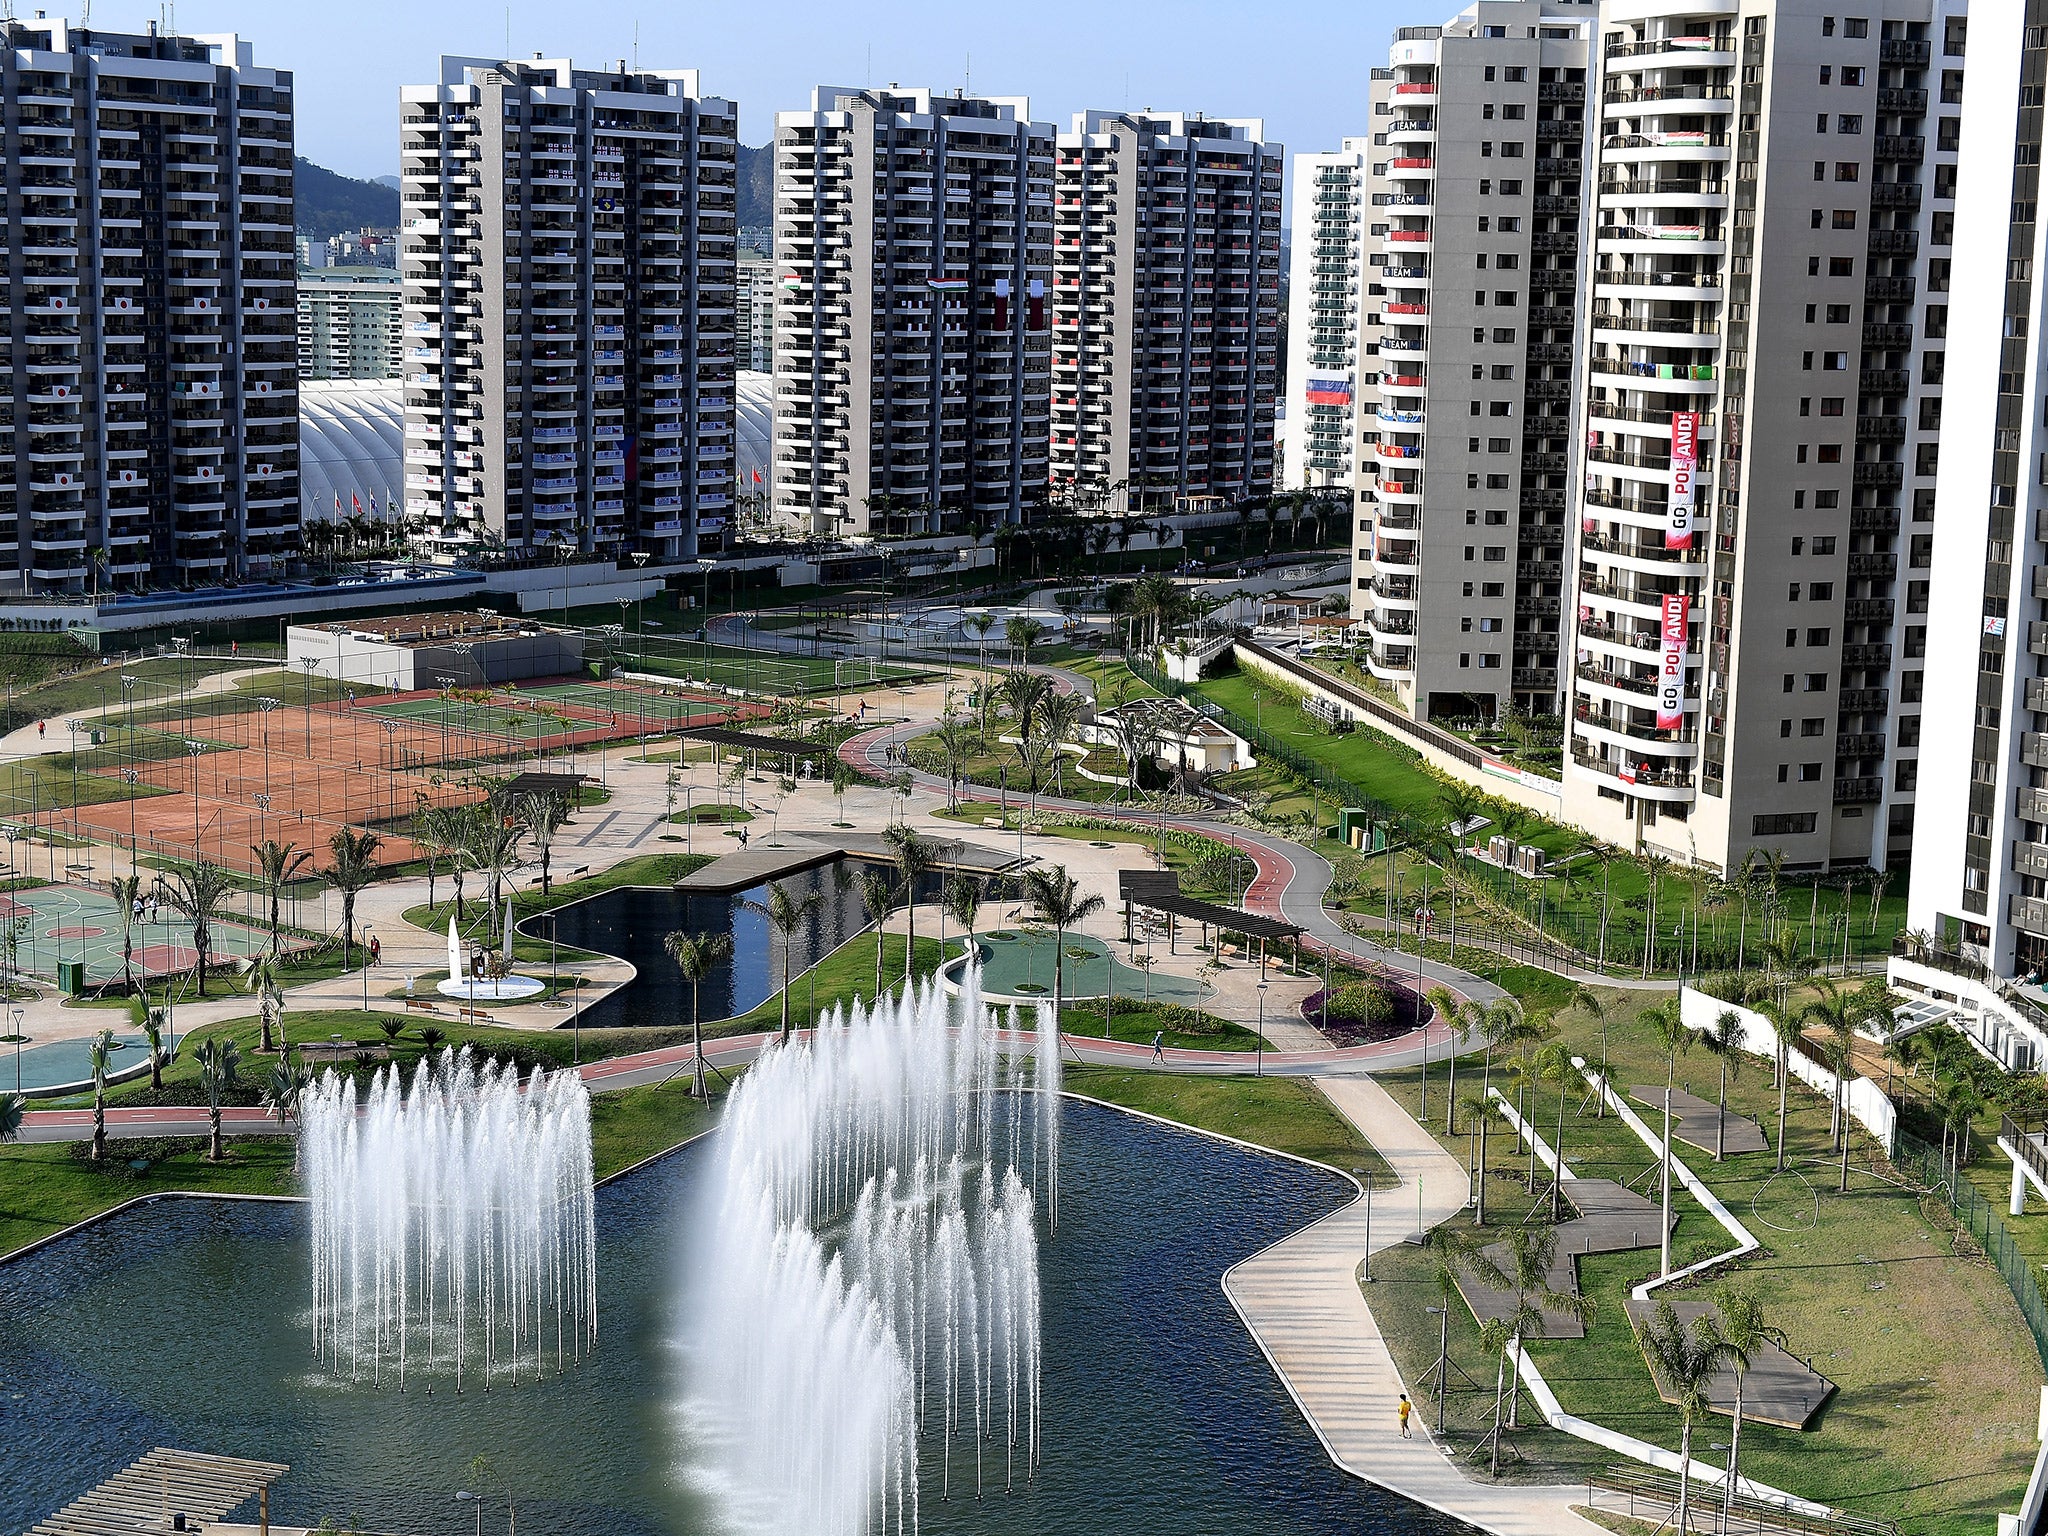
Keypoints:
(1184, 1020)
(1360, 1004)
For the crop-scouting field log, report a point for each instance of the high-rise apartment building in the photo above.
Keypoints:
(913, 245)
(754, 304)
(568, 259)
(1762, 337)
(1474, 199)
(1980, 847)
(1165, 309)
(349, 325)
(148, 426)
(1325, 282)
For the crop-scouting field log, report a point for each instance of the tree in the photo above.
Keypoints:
(963, 905)
(264, 976)
(1685, 1359)
(1057, 896)
(493, 850)
(1023, 692)
(277, 865)
(1499, 1024)
(284, 1089)
(878, 900)
(1746, 1334)
(842, 781)
(1722, 1040)
(13, 1112)
(787, 915)
(952, 737)
(219, 1061)
(915, 857)
(1677, 1039)
(1585, 1000)
(1785, 1029)
(1450, 1252)
(351, 870)
(195, 892)
(1136, 739)
(127, 891)
(1022, 634)
(1838, 1013)
(153, 1022)
(98, 1053)
(541, 817)
(1460, 1016)
(1526, 1276)
(1555, 1066)
(695, 954)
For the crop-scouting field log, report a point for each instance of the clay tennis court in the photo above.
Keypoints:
(70, 922)
(299, 774)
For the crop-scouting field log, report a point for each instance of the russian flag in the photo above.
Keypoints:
(1329, 392)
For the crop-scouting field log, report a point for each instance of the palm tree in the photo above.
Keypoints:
(446, 829)
(1499, 1024)
(264, 976)
(1022, 634)
(126, 890)
(952, 739)
(1838, 1013)
(284, 1089)
(1554, 1066)
(695, 954)
(277, 865)
(1023, 692)
(98, 1053)
(493, 850)
(963, 904)
(153, 1022)
(787, 915)
(351, 870)
(13, 1112)
(1685, 1359)
(915, 857)
(878, 900)
(1785, 1026)
(981, 624)
(1723, 1041)
(219, 1059)
(541, 816)
(1057, 896)
(842, 781)
(1459, 1016)
(1136, 739)
(1745, 1332)
(1451, 1253)
(1585, 1000)
(195, 892)
(1526, 1276)
(1664, 1020)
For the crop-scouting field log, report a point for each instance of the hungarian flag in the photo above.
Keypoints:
(946, 284)
(1002, 303)
(792, 280)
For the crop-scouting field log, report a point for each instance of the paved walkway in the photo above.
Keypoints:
(1302, 1302)
(1693, 1121)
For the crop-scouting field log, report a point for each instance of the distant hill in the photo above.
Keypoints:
(330, 203)
(757, 187)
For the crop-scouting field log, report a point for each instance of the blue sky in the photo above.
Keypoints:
(1300, 67)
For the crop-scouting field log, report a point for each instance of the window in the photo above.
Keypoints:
(1848, 170)
(1827, 499)
(1489, 75)
(1496, 482)
(1499, 408)
(1811, 312)
(1845, 218)
(1504, 335)
(1490, 659)
(1805, 409)
(1836, 362)
(1517, 72)
(1781, 824)
(1820, 123)
(1849, 122)
(1819, 636)
(1809, 773)
(1798, 548)
(1816, 682)
(1486, 109)
(1852, 74)
(1829, 453)
(1820, 170)
(1824, 544)
(1511, 149)
(1791, 638)
(1806, 361)
(1504, 298)
(1500, 445)
(1813, 725)
(1855, 26)
(1788, 682)
(1841, 266)
(1826, 71)
(1814, 221)
(1504, 370)
(1803, 451)
(1492, 589)
(1784, 726)
(1792, 593)
(1464, 658)
(1822, 591)
(1831, 405)
(1513, 110)
(1471, 516)
(1471, 446)
(1479, 298)
(1485, 153)
(1511, 226)
(1838, 314)
(1827, 26)
(1511, 188)
(1784, 769)
(1496, 553)
(1813, 266)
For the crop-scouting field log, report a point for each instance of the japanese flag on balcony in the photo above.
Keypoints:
(205, 472)
(124, 302)
(199, 303)
(263, 303)
(62, 391)
(63, 478)
(129, 477)
(261, 388)
(56, 302)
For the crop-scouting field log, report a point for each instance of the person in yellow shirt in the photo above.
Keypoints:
(1404, 1410)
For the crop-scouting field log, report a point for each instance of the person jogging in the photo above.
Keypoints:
(1158, 1042)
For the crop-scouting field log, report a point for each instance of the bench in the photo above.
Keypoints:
(993, 821)
(419, 1005)
(476, 1016)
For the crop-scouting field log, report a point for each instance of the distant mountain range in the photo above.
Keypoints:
(331, 204)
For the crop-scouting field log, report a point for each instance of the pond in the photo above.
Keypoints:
(183, 1324)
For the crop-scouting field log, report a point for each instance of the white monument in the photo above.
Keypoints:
(484, 989)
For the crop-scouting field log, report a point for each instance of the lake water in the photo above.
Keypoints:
(183, 1324)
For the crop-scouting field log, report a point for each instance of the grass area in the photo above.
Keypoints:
(1283, 1113)
(46, 1188)
(1137, 1025)
(727, 666)
(648, 869)
(633, 1124)
(1937, 1377)
(845, 974)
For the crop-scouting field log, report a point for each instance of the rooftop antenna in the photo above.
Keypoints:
(508, 31)
(967, 87)
(636, 45)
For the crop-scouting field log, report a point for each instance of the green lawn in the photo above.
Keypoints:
(848, 972)
(1137, 1025)
(45, 1188)
(1938, 1378)
(1284, 1113)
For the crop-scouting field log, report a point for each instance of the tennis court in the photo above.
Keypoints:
(628, 705)
(70, 922)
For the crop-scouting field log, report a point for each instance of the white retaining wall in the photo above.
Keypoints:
(1867, 1102)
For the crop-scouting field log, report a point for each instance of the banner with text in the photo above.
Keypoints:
(1685, 463)
(1671, 672)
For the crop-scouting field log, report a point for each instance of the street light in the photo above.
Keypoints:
(464, 1496)
(1259, 1067)
(369, 933)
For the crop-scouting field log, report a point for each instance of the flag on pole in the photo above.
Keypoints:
(946, 284)
(355, 503)
(757, 477)
(337, 503)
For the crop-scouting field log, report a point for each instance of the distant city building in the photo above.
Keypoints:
(754, 302)
(314, 255)
(911, 351)
(349, 325)
(1326, 277)
(148, 425)
(568, 277)
(1166, 309)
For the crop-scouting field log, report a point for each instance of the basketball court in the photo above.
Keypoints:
(70, 922)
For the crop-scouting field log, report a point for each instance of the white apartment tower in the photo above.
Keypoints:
(1325, 281)
(567, 251)
(1980, 853)
(1474, 202)
(349, 325)
(148, 412)
(1762, 337)
(1165, 310)
(914, 247)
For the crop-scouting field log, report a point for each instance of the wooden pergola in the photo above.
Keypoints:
(166, 1491)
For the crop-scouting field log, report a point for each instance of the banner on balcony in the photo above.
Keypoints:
(1002, 303)
(1329, 392)
(1671, 671)
(1035, 315)
(1685, 464)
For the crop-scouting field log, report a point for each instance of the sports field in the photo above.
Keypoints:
(724, 666)
(70, 922)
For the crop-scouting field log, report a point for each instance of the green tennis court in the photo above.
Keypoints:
(70, 922)
(472, 719)
(1017, 962)
(661, 711)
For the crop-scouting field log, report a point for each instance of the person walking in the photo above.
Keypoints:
(1404, 1410)
(42, 729)
(1159, 1041)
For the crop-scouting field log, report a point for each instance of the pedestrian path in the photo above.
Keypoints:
(1302, 1302)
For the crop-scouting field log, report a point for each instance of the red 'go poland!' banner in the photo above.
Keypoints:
(1685, 462)
(1671, 672)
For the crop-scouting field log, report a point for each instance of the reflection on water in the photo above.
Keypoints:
(184, 1324)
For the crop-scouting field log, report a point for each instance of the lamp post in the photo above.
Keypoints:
(17, 1040)
(368, 934)
(266, 706)
(309, 663)
(195, 748)
(464, 1496)
(132, 777)
(1259, 1067)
